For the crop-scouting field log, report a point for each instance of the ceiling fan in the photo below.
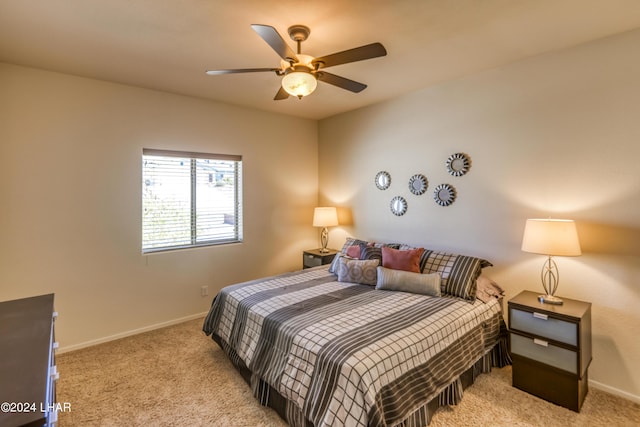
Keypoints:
(301, 72)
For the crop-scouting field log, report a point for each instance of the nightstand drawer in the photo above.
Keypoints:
(542, 325)
(309, 260)
(544, 352)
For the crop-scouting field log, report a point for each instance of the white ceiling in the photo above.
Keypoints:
(168, 44)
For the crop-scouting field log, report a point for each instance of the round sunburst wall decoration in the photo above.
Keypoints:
(418, 184)
(444, 194)
(398, 206)
(458, 164)
(383, 180)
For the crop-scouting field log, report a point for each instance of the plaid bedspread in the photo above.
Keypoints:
(348, 354)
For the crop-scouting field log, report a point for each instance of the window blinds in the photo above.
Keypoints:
(190, 199)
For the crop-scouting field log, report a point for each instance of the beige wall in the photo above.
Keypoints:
(557, 135)
(70, 199)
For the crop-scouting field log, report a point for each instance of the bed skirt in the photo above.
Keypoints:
(498, 356)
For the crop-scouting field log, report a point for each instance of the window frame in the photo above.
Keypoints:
(193, 211)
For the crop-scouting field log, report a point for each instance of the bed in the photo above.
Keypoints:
(326, 347)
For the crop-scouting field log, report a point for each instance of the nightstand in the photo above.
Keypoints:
(314, 258)
(551, 348)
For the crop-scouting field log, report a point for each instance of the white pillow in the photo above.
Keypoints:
(488, 289)
(407, 281)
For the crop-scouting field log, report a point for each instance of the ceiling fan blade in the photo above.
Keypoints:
(275, 40)
(282, 94)
(240, 70)
(341, 82)
(361, 53)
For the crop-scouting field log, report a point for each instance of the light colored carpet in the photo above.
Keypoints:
(176, 376)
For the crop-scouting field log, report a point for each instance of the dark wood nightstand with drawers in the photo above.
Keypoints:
(314, 257)
(551, 348)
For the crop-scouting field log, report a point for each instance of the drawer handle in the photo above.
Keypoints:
(54, 374)
(540, 316)
(540, 342)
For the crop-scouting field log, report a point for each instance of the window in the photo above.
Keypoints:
(190, 199)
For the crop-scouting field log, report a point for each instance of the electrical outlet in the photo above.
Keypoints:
(204, 291)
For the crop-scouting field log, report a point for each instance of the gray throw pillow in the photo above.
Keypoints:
(407, 281)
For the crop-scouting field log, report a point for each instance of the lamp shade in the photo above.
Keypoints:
(325, 217)
(554, 237)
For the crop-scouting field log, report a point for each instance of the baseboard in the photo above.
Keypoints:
(129, 333)
(614, 391)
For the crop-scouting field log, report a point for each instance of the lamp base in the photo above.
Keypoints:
(324, 239)
(550, 299)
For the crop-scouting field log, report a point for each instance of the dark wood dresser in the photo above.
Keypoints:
(551, 348)
(27, 364)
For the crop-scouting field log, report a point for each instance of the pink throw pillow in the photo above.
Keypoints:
(402, 260)
(354, 251)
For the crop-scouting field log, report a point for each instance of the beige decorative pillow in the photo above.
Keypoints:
(357, 271)
(407, 281)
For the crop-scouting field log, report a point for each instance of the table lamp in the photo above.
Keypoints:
(551, 237)
(325, 217)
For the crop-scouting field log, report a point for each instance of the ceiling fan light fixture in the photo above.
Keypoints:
(300, 73)
(299, 83)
